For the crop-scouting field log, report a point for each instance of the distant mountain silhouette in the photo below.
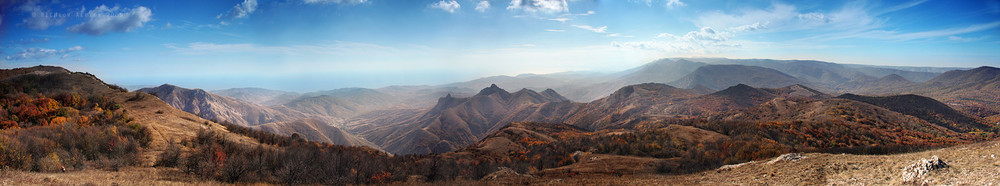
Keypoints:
(258, 96)
(868, 84)
(721, 76)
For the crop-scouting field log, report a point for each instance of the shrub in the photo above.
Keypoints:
(170, 156)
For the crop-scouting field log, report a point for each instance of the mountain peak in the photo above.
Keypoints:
(894, 77)
(741, 90)
(493, 89)
(976, 75)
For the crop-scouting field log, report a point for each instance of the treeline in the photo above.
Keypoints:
(282, 159)
(292, 160)
(67, 132)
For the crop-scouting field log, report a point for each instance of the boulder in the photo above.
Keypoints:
(922, 167)
(787, 157)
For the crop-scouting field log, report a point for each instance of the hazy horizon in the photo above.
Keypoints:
(309, 45)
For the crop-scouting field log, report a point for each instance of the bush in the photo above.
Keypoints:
(170, 156)
(12, 154)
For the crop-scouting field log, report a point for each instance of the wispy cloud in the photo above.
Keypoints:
(704, 41)
(561, 19)
(448, 6)
(554, 30)
(240, 11)
(966, 39)
(31, 41)
(102, 20)
(945, 32)
(901, 6)
(41, 53)
(666, 3)
(603, 29)
(336, 48)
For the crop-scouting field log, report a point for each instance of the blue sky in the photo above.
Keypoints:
(306, 45)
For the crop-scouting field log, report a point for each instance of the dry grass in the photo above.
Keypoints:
(168, 124)
(127, 176)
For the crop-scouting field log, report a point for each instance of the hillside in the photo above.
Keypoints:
(870, 85)
(315, 130)
(630, 106)
(971, 91)
(340, 103)
(220, 108)
(456, 122)
(925, 108)
(165, 124)
(721, 76)
(260, 96)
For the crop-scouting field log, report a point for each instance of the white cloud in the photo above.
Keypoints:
(41, 53)
(603, 29)
(542, 6)
(675, 3)
(814, 16)
(561, 19)
(667, 3)
(447, 6)
(241, 10)
(334, 1)
(750, 27)
(777, 13)
(482, 6)
(554, 30)
(40, 18)
(102, 19)
(703, 41)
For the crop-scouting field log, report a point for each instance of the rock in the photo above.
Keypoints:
(731, 167)
(503, 173)
(577, 155)
(787, 157)
(922, 167)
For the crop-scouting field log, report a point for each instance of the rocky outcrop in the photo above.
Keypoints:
(786, 158)
(920, 168)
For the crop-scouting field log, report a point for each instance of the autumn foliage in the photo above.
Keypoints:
(67, 130)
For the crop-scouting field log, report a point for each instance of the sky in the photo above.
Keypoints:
(309, 45)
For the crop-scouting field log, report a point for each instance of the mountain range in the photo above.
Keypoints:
(402, 120)
(713, 114)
